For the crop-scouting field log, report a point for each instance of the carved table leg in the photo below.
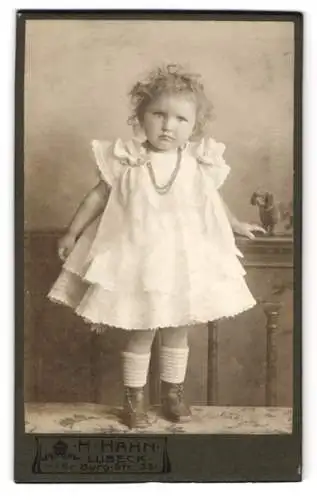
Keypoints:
(212, 374)
(95, 371)
(272, 310)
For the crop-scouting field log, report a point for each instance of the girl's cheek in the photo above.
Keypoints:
(187, 127)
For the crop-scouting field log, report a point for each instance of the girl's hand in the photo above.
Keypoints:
(246, 229)
(65, 245)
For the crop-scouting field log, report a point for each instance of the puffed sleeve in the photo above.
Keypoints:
(107, 166)
(209, 155)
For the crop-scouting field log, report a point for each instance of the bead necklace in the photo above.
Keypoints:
(166, 187)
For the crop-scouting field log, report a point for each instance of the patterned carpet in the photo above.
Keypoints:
(95, 419)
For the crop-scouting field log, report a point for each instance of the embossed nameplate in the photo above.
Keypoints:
(100, 455)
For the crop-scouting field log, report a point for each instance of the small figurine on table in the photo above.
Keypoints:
(272, 212)
(268, 210)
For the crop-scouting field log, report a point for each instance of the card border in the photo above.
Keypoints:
(221, 458)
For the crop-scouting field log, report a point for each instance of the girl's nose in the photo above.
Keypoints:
(168, 123)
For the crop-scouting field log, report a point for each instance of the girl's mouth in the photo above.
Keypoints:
(168, 138)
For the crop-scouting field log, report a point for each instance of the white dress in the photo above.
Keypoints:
(156, 260)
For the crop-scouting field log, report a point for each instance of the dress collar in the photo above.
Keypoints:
(134, 152)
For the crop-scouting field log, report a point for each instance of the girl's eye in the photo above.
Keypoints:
(157, 113)
(182, 119)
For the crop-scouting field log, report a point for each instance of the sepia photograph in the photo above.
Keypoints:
(159, 164)
(158, 208)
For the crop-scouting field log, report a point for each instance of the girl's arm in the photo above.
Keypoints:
(91, 206)
(243, 228)
(89, 209)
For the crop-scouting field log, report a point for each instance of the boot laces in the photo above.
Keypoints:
(180, 391)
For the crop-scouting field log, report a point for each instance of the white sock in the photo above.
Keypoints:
(173, 364)
(135, 369)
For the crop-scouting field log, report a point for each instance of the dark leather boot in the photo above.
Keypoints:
(134, 415)
(173, 404)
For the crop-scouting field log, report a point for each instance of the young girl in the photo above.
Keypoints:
(151, 246)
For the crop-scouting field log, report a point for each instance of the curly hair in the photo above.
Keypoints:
(172, 78)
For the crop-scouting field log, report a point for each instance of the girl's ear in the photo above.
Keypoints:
(139, 131)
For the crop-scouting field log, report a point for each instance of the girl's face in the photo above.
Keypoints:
(169, 120)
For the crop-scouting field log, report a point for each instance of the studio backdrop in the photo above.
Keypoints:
(77, 77)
